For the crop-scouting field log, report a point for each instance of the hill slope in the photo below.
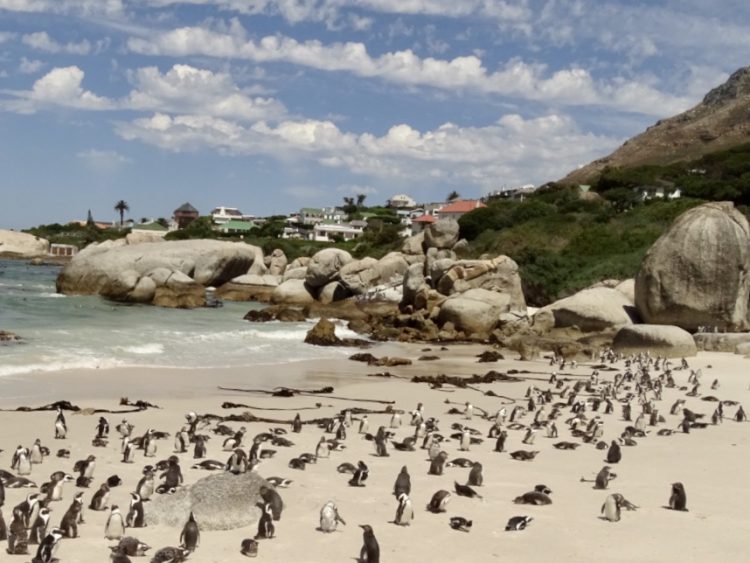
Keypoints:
(720, 121)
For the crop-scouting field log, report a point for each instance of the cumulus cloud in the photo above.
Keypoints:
(41, 41)
(60, 87)
(516, 78)
(27, 66)
(509, 151)
(6, 36)
(83, 7)
(186, 89)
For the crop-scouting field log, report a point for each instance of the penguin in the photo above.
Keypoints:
(17, 538)
(465, 442)
(173, 474)
(71, 518)
(395, 420)
(149, 444)
(517, 523)
(614, 455)
(370, 552)
(61, 427)
(54, 488)
(297, 424)
(405, 511)
(271, 496)
(249, 548)
(101, 498)
(125, 429)
(136, 517)
(603, 478)
(439, 501)
(29, 509)
(21, 462)
(381, 442)
(46, 551)
(330, 517)
(460, 523)
(322, 450)
(210, 465)
(678, 498)
(475, 475)
(102, 428)
(182, 440)
(279, 482)
(85, 467)
(235, 441)
(199, 451)
(128, 450)
(740, 415)
(529, 436)
(237, 462)
(468, 411)
(360, 475)
(170, 555)
(434, 450)
(39, 527)
(611, 508)
(190, 536)
(131, 546)
(437, 464)
(114, 529)
(364, 425)
(465, 491)
(3, 528)
(266, 528)
(36, 456)
(145, 487)
(500, 443)
(403, 482)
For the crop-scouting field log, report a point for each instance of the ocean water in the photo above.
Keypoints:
(65, 332)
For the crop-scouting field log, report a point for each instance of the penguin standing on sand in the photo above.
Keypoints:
(678, 498)
(405, 511)
(500, 442)
(21, 462)
(190, 536)
(145, 488)
(360, 475)
(330, 517)
(475, 475)
(364, 424)
(614, 454)
(370, 552)
(182, 440)
(102, 428)
(39, 528)
(266, 528)
(403, 482)
(36, 455)
(128, 450)
(297, 424)
(17, 537)
(611, 508)
(85, 467)
(61, 427)
(136, 516)
(48, 547)
(199, 451)
(381, 442)
(101, 498)
(114, 529)
(271, 496)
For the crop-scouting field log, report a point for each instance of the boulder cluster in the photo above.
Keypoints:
(694, 279)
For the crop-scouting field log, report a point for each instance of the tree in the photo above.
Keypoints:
(89, 219)
(453, 195)
(361, 200)
(121, 207)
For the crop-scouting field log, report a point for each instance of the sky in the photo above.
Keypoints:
(270, 106)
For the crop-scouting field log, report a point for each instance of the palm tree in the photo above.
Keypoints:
(121, 207)
(453, 195)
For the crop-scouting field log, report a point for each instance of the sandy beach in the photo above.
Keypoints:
(710, 463)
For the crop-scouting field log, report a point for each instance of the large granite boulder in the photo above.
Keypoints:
(414, 245)
(696, 273)
(324, 266)
(221, 501)
(258, 267)
(249, 288)
(22, 245)
(179, 271)
(477, 311)
(590, 310)
(441, 234)
(498, 274)
(359, 276)
(721, 341)
(277, 263)
(292, 292)
(662, 340)
(415, 289)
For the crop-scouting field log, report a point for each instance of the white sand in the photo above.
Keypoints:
(712, 464)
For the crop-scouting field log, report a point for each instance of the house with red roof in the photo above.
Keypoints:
(458, 208)
(419, 224)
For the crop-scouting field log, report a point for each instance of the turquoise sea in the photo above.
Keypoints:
(64, 332)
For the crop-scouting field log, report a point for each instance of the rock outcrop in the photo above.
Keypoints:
(222, 501)
(662, 340)
(6, 336)
(22, 245)
(590, 310)
(293, 292)
(698, 272)
(324, 266)
(442, 234)
(249, 288)
(721, 341)
(477, 311)
(178, 271)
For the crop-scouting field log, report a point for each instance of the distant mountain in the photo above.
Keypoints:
(720, 121)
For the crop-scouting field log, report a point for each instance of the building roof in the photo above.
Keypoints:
(235, 225)
(186, 208)
(227, 211)
(462, 206)
(424, 219)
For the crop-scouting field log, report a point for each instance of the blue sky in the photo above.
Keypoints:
(273, 105)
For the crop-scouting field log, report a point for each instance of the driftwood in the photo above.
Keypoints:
(287, 392)
(247, 416)
(228, 405)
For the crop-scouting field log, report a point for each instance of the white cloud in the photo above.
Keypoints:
(6, 36)
(59, 87)
(185, 89)
(41, 41)
(103, 161)
(516, 78)
(510, 151)
(83, 7)
(27, 66)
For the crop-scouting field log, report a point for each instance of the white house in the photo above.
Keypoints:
(223, 214)
(330, 231)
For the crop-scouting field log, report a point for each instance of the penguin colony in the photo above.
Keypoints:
(46, 531)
